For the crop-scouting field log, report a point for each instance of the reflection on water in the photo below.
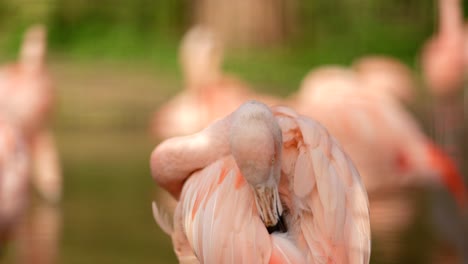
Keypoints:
(405, 231)
(36, 239)
(39, 235)
(450, 226)
(409, 226)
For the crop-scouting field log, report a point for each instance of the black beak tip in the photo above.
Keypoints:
(279, 227)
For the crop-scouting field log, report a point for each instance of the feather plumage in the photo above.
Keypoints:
(326, 207)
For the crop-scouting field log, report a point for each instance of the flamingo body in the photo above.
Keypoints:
(25, 86)
(26, 100)
(24, 97)
(367, 123)
(217, 219)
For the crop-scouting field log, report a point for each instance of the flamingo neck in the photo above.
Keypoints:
(450, 18)
(174, 160)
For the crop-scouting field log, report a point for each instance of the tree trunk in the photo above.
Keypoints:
(247, 23)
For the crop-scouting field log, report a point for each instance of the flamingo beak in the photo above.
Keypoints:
(450, 174)
(270, 208)
(279, 227)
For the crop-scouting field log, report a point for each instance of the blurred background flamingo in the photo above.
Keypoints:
(305, 166)
(209, 94)
(26, 100)
(442, 55)
(385, 142)
(444, 72)
(443, 68)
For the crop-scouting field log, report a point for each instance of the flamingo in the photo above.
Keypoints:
(389, 149)
(367, 123)
(443, 60)
(395, 80)
(14, 169)
(26, 99)
(263, 170)
(25, 86)
(209, 94)
(442, 56)
(444, 64)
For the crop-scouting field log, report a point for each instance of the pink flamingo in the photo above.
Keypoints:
(260, 171)
(444, 64)
(209, 94)
(25, 86)
(443, 61)
(26, 100)
(367, 123)
(386, 144)
(14, 169)
(442, 56)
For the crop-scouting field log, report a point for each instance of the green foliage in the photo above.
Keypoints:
(326, 32)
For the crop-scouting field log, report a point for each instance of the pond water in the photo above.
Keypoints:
(105, 216)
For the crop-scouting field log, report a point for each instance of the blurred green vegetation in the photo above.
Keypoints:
(327, 32)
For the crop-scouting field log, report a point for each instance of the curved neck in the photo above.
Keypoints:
(31, 60)
(174, 160)
(450, 17)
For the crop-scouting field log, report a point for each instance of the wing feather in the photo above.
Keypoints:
(285, 251)
(163, 219)
(224, 227)
(288, 160)
(310, 132)
(303, 163)
(331, 202)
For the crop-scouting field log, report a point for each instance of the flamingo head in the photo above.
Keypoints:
(256, 141)
(33, 48)
(200, 56)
